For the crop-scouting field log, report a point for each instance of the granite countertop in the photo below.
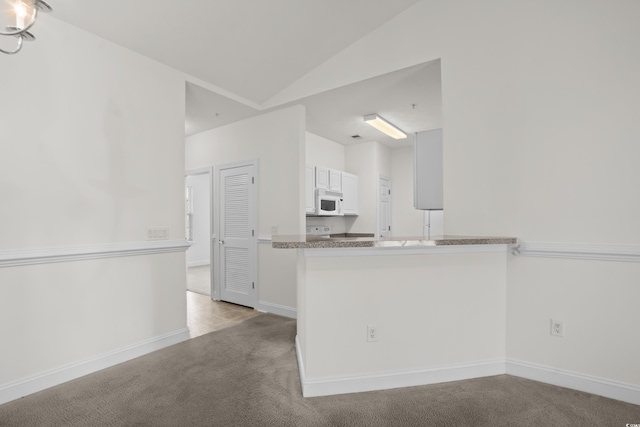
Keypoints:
(310, 241)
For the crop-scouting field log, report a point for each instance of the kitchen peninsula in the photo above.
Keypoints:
(395, 312)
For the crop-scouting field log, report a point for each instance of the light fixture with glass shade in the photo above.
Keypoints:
(384, 126)
(16, 19)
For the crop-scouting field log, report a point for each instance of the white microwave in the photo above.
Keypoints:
(328, 203)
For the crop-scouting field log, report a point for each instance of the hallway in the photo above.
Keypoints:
(205, 315)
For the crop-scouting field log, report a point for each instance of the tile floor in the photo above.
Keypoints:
(205, 315)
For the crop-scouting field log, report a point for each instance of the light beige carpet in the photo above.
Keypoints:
(247, 375)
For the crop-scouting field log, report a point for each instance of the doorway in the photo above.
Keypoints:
(198, 208)
(235, 231)
(384, 207)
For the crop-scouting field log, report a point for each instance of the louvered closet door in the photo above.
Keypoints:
(237, 243)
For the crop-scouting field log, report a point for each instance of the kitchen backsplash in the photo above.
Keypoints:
(337, 224)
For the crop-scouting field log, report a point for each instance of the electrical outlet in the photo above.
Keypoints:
(557, 328)
(372, 333)
(274, 230)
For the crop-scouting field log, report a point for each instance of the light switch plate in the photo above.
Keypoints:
(158, 233)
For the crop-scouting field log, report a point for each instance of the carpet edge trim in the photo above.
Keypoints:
(606, 388)
(38, 382)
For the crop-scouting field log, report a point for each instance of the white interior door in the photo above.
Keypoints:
(237, 243)
(198, 226)
(384, 207)
(198, 218)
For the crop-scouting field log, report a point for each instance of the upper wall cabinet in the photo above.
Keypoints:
(322, 178)
(350, 193)
(335, 180)
(427, 170)
(328, 179)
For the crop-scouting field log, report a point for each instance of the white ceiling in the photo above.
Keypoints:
(247, 51)
(410, 98)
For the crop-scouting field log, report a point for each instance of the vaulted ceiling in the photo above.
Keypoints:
(239, 54)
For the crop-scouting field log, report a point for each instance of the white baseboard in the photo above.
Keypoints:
(611, 389)
(389, 380)
(17, 389)
(280, 310)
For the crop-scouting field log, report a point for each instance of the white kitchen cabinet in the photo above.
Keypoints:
(350, 193)
(310, 190)
(328, 179)
(322, 178)
(335, 180)
(427, 170)
(319, 177)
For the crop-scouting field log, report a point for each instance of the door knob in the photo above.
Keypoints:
(221, 242)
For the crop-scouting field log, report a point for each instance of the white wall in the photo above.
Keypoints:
(405, 219)
(93, 154)
(588, 297)
(361, 160)
(383, 158)
(321, 151)
(60, 314)
(277, 140)
(368, 160)
(540, 116)
(95, 113)
(452, 311)
(277, 280)
(200, 251)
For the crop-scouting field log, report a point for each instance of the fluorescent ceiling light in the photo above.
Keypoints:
(384, 126)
